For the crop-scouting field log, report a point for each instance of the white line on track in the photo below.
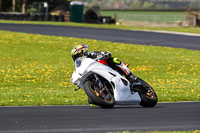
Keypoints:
(170, 32)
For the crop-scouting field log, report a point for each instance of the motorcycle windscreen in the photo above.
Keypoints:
(78, 61)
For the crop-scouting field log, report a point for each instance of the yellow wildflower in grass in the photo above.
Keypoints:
(11, 100)
(27, 95)
(2, 71)
(197, 131)
(192, 90)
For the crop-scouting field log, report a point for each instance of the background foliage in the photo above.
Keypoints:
(145, 4)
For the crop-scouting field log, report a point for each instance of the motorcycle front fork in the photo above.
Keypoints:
(98, 81)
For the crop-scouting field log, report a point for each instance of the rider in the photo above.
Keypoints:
(82, 50)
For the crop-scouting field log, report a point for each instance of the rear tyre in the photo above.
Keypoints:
(147, 94)
(105, 99)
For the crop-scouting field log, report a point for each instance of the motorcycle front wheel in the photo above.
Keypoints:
(104, 98)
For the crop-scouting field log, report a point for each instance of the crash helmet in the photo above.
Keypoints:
(79, 51)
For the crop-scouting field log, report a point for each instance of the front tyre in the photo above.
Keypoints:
(105, 98)
(147, 94)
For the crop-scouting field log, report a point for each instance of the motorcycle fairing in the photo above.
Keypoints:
(122, 92)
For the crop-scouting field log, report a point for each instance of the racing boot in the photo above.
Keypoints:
(136, 85)
(132, 78)
(133, 81)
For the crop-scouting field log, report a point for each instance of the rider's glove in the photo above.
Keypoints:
(100, 55)
(106, 55)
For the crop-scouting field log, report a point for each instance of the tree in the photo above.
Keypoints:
(135, 5)
(24, 6)
(148, 5)
(13, 5)
(0, 4)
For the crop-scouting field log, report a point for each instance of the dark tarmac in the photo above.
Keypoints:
(113, 35)
(64, 119)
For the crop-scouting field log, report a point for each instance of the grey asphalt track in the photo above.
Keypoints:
(64, 119)
(114, 35)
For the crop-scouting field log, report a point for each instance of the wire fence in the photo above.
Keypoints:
(167, 19)
(155, 17)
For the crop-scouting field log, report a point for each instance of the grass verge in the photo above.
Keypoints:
(175, 29)
(35, 69)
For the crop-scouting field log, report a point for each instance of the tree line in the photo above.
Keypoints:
(145, 4)
(24, 5)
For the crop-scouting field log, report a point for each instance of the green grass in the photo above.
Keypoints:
(176, 29)
(35, 69)
(147, 16)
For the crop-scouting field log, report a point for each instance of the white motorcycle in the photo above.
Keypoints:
(106, 87)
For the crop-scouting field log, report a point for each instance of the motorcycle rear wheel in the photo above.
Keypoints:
(97, 96)
(148, 97)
